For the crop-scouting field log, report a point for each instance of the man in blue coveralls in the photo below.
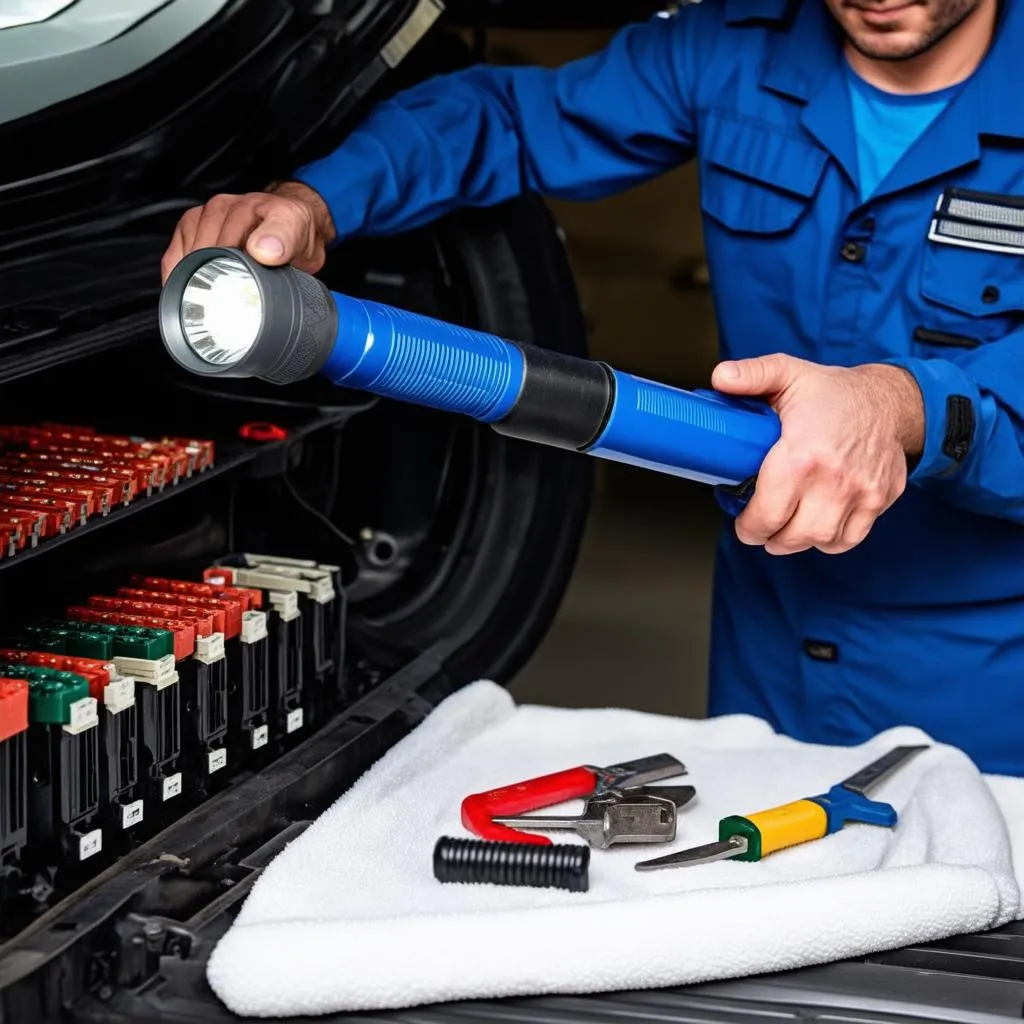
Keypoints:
(862, 186)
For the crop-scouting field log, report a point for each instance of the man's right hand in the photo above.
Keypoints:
(289, 223)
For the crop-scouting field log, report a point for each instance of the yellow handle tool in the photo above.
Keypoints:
(753, 836)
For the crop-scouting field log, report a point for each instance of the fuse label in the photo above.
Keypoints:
(254, 627)
(260, 736)
(150, 670)
(217, 759)
(210, 648)
(90, 844)
(294, 721)
(172, 786)
(84, 715)
(119, 695)
(131, 814)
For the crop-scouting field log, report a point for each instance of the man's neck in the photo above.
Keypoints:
(951, 61)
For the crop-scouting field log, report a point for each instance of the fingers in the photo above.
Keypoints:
(283, 237)
(181, 241)
(225, 220)
(764, 376)
(274, 229)
(818, 522)
(801, 503)
(774, 501)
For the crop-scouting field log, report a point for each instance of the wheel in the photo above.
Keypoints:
(464, 538)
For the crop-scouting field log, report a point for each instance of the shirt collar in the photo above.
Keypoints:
(805, 57)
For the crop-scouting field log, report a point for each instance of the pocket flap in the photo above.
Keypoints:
(763, 153)
(755, 178)
(975, 282)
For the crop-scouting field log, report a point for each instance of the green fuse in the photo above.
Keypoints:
(34, 638)
(51, 694)
(91, 645)
(126, 641)
(60, 640)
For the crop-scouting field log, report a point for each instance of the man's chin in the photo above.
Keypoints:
(892, 46)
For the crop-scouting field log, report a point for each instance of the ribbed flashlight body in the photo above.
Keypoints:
(699, 435)
(414, 358)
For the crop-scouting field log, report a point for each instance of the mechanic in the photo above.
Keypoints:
(827, 134)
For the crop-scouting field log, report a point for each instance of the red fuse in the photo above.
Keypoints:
(52, 489)
(222, 578)
(174, 464)
(124, 481)
(204, 451)
(13, 707)
(104, 496)
(20, 532)
(233, 607)
(96, 673)
(54, 520)
(184, 632)
(202, 624)
(77, 510)
(58, 520)
(146, 475)
(31, 524)
(184, 602)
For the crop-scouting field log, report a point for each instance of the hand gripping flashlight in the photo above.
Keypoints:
(224, 314)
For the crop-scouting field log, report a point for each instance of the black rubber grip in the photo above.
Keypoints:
(311, 328)
(562, 866)
(564, 400)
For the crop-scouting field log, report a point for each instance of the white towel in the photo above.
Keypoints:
(350, 917)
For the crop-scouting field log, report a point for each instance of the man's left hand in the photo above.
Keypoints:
(841, 460)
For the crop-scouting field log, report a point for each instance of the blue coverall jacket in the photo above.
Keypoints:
(923, 623)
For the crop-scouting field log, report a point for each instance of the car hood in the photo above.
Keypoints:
(54, 50)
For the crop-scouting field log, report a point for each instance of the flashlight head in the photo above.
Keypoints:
(224, 314)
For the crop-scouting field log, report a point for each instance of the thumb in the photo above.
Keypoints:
(765, 375)
(275, 242)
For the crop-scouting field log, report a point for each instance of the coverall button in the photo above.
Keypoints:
(990, 294)
(853, 252)
(868, 224)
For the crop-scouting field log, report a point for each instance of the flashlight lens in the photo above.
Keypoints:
(221, 311)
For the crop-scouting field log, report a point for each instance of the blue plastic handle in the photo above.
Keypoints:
(843, 805)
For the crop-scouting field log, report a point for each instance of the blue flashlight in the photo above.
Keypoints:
(224, 314)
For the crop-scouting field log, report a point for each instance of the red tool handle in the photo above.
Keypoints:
(479, 810)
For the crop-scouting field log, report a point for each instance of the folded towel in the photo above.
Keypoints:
(350, 917)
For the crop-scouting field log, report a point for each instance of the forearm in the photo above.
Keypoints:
(484, 135)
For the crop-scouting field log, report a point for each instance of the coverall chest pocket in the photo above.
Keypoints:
(972, 288)
(756, 179)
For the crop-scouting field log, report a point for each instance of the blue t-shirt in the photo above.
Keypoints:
(888, 124)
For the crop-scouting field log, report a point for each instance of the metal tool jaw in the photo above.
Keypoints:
(644, 815)
(481, 811)
(617, 779)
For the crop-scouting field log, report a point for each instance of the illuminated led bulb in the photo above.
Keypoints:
(221, 311)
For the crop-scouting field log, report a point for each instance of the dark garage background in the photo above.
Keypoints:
(633, 630)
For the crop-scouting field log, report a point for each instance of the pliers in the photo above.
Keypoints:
(618, 781)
